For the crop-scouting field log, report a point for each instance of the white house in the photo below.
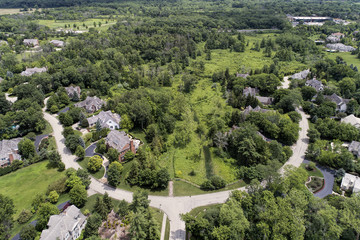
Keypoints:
(351, 119)
(350, 182)
(107, 119)
(65, 226)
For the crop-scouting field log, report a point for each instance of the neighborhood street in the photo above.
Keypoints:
(172, 206)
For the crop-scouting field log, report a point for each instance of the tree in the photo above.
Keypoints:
(95, 163)
(53, 197)
(44, 213)
(129, 155)
(108, 202)
(100, 208)
(54, 159)
(37, 201)
(92, 225)
(350, 215)
(28, 232)
(114, 173)
(113, 154)
(78, 195)
(138, 226)
(80, 152)
(313, 135)
(126, 122)
(5, 105)
(123, 209)
(84, 175)
(72, 142)
(6, 216)
(26, 148)
(24, 216)
(140, 201)
(308, 92)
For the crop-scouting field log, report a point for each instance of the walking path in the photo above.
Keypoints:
(171, 206)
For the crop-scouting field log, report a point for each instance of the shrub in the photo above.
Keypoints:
(24, 216)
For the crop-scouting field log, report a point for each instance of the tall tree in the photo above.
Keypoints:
(6, 216)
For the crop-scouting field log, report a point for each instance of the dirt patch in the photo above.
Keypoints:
(113, 228)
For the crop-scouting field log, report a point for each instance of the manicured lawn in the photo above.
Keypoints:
(349, 59)
(185, 189)
(48, 129)
(200, 210)
(316, 172)
(24, 184)
(167, 229)
(99, 174)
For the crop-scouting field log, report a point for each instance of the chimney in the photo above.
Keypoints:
(132, 147)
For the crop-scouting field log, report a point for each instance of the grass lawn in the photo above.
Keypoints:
(316, 173)
(48, 129)
(349, 59)
(4, 11)
(57, 24)
(24, 184)
(185, 189)
(167, 229)
(200, 210)
(99, 174)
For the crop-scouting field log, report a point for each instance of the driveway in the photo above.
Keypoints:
(90, 151)
(38, 140)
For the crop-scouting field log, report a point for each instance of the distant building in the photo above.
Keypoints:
(57, 43)
(249, 109)
(91, 104)
(73, 90)
(30, 71)
(121, 142)
(351, 119)
(243, 75)
(315, 84)
(107, 120)
(350, 182)
(332, 39)
(354, 148)
(250, 91)
(301, 75)
(9, 151)
(265, 100)
(340, 47)
(31, 42)
(338, 34)
(341, 103)
(65, 226)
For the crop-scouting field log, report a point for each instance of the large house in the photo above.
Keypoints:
(65, 226)
(249, 109)
(315, 84)
(265, 100)
(121, 142)
(91, 104)
(350, 182)
(351, 119)
(301, 75)
(250, 91)
(107, 120)
(354, 148)
(57, 43)
(340, 47)
(9, 151)
(31, 42)
(73, 90)
(30, 71)
(341, 103)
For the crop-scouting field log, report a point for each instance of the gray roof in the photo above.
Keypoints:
(340, 47)
(249, 109)
(243, 75)
(250, 91)
(73, 89)
(354, 146)
(265, 100)
(30, 71)
(351, 119)
(118, 140)
(301, 75)
(8, 150)
(64, 223)
(57, 43)
(104, 117)
(336, 99)
(333, 39)
(91, 104)
(33, 42)
(315, 84)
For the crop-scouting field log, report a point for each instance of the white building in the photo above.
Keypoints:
(350, 182)
(107, 119)
(65, 226)
(351, 119)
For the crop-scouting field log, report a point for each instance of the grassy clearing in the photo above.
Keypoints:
(185, 189)
(57, 24)
(5, 11)
(99, 174)
(201, 210)
(24, 184)
(349, 59)
(315, 173)
(48, 129)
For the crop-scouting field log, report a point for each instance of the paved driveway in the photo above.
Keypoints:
(38, 141)
(90, 151)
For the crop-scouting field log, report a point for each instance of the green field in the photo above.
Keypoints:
(5, 11)
(24, 184)
(349, 59)
(57, 24)
(185, 189)
(316, 173)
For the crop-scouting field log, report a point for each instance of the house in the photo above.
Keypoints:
(250, 91)
(265, 100)
(340, 47)
(121, 142)
(341, 103)
(73, 90)
(65, 226)
(351, 119)
(31, 42)
(332, 39)
(243, 75)
(91, 104)
(57, 43)
(301, 75)
(354, 148)
(9, 151)
(338, 34)
(315, 84)
(249, 109)
(107, 120)
(350, 182)
(30, 71)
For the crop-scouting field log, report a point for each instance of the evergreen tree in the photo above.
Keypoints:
(101, 208)
(108, 202)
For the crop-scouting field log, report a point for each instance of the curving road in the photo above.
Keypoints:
(172, 206)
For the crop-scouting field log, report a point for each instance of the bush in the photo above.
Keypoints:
(207, 186)
(53, 197)
(218, 182)
(58, 186)
(24, 216)
(95, 163)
